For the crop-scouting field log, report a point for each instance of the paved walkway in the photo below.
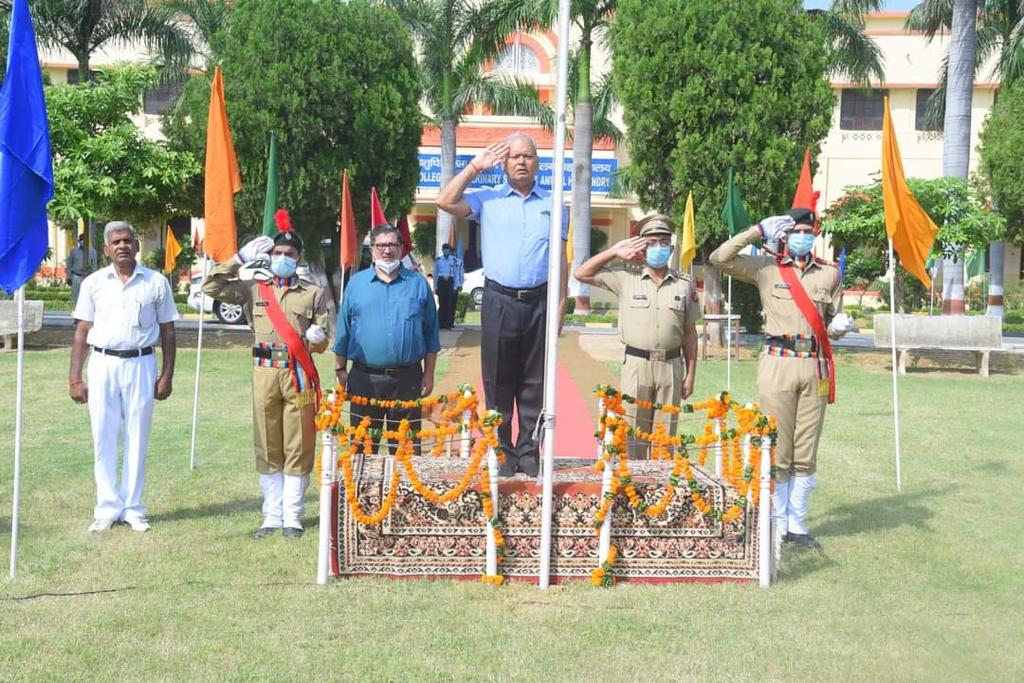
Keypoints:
(575, 406)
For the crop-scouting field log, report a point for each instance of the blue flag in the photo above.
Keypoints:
(26, 161)
(842, 263)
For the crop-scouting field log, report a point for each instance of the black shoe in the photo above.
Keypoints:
(530, 466)
(805, 540)
(508, 468)
(263, 532)
(293, 533)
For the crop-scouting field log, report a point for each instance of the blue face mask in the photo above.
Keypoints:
(799, 243)
(657, 257)
(283, 266)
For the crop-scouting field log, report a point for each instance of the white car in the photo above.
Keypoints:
(473, 284)
(230, 314)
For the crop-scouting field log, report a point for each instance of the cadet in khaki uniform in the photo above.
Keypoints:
(796, 370)
(658, 309)
(284, 392)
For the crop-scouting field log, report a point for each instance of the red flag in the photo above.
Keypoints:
(376, 210)
(347, 226)
(806, 197)
(222, 178)
(403, 230)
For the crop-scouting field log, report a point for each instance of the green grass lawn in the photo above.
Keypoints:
(926, 584)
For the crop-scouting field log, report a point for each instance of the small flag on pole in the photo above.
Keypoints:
(734, 214)
(26, 160)
(911, 230)
(377, 216)
(805, 196)
(842, 263)
(568, 244)
(223, 181)
(403, 230)
(270, 203)
(688, 243)
(171, 251)
(347, 225)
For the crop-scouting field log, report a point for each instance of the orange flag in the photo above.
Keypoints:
(347, 226)
(911, 230)
(806, 197)
(171, 251)
(377, 216)
(223, 181)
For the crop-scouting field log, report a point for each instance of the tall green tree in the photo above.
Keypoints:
(456, 41)
(84, 26)
(103, 166)
(998, 31)
(704, 93)
(338, 84)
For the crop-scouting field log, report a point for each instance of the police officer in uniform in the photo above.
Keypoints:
(658, 309)
(81, 263)
(288, 316)
(802, 300)
(447, 279)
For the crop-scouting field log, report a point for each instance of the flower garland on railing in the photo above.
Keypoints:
(614, 453)
(460, 402)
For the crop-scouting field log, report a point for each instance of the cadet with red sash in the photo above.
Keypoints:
(802, 300)
(288, 316)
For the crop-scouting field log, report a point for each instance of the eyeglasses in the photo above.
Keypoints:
(386, 246)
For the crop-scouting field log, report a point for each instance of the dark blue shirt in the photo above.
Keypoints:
(387, 324)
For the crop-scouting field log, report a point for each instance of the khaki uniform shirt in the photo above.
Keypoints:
(651, 316)
(304, 304)
(820, 279)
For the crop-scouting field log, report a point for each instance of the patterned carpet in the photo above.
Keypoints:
(420, 539)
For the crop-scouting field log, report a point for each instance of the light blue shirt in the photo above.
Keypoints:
(445, 267)
(387, 324)
(514, 233)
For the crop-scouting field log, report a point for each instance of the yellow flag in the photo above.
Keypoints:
(171, 251)
(688, 243)
(911, 230)
(568, 244)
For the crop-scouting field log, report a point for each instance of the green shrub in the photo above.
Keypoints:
(747, 303)
(463, 303)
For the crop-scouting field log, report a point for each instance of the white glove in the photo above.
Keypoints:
(315, 334)
(840, 325)
(775, 227)
(254, 248)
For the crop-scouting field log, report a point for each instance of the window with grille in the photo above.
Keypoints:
(861, 109)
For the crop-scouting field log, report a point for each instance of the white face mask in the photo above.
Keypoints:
(389, 267)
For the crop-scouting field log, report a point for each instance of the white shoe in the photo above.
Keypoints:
(98, 526)
(140, 524)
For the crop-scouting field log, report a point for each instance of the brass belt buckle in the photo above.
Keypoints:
(657, 354)
(802, 345)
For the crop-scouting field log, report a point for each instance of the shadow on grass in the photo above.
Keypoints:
(227, 508)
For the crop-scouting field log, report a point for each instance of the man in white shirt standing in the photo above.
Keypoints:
(122, 310)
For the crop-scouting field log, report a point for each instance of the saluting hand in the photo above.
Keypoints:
(491, 157)
(631, 249)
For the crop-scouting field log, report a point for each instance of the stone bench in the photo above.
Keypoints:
(9, 320)
(918, 335)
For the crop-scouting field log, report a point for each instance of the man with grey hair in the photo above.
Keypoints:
(515, 223)
(122, 311)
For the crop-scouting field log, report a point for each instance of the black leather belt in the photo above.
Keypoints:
(517, 294)
(804, 345)
(124, 353)
(653, 354)
(389, 372)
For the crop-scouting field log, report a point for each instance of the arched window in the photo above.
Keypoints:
(517, 59)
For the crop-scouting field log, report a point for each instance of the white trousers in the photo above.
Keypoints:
(120, 403)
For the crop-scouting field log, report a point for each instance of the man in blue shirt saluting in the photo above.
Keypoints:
(515, 220)
(388, 328)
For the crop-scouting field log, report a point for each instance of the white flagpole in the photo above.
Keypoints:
(20, 296)
(895, 381)
(199, 358)
(554, 294)
(728, 341)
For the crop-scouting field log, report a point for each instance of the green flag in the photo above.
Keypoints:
(976, 263)
(270, 205)
(734, 213)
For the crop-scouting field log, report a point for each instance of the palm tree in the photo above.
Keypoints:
(851, 54)
(84, 26)
(204, 19)
(999, 31)
(456, 44)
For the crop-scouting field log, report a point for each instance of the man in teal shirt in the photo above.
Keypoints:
(388, 328)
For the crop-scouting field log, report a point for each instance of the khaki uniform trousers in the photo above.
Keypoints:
(789, 389)
(649, 380)
(285, 433)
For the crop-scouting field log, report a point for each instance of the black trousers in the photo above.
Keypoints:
(512, 360)
(405, 386)
(446, 297)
